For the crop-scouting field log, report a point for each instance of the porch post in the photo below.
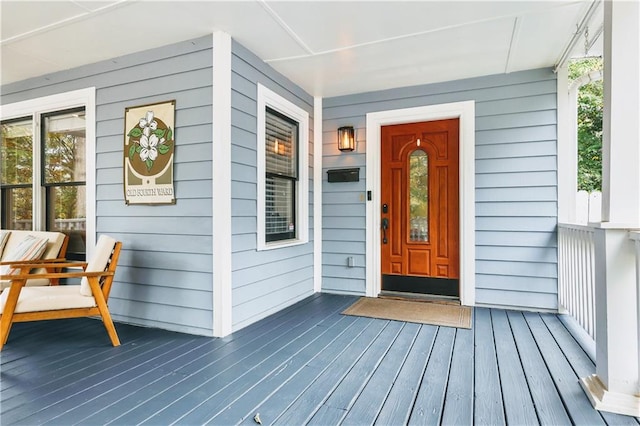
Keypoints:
(615, 386)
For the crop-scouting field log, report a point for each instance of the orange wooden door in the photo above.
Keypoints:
(420, 207)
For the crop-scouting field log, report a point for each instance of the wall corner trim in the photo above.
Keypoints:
(221, 185)
(317, 194)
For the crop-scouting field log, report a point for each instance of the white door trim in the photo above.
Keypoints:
(465, 111)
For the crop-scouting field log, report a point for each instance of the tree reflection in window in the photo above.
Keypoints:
(418, 196)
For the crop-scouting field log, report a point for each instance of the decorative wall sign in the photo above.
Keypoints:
(148, 153)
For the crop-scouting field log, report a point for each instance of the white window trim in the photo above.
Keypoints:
(268, 98)
(465, 111)
(35, 107)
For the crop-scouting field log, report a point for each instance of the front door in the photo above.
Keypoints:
(420, 208)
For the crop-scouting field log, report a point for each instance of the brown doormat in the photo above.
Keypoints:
(412, 311)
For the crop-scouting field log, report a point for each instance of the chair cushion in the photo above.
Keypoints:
(36, 299)
(30, 248)
(4, 237)
(98, 262)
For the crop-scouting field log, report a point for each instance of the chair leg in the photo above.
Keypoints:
(6, 320)
(5, 328)
(104, 312)
(111, 329)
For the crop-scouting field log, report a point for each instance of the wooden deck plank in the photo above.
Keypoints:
(51, 376)
(427, 408)
(71, 379)
(234, 382)
(547, 402)
(76, 385)
(400, 400)
(581, 364)
(488, 407)
(310, 400)
(246, 406)
(178, 392)
(565, 379)
(276, 403)
(369, 402)
(19, 362)
(458, 402)
(115, 390)
(343, 396)
(141, 392)
(518, 404)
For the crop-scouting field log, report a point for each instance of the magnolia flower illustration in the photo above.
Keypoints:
(148, 139)
(148, 121)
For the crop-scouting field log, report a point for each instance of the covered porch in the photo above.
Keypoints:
(307, 364)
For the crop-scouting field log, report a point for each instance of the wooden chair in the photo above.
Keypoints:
(89, 298)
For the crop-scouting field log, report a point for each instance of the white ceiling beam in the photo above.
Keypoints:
(515, 35)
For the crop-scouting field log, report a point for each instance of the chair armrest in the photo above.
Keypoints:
(46, 265)
(57, 275)
(33, 262)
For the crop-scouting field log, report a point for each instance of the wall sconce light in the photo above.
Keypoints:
(346, 138)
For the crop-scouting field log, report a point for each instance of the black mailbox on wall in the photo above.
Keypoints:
(344, 175)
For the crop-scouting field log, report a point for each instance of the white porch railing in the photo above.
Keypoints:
(576, 269)
(75, 224)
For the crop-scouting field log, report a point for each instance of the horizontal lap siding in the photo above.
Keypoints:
(263, 281)
(164, 274)
(516, 184)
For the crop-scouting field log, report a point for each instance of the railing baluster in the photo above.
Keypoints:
(576, 274)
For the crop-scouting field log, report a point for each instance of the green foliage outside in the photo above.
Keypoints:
(590, 106)
(60, 167)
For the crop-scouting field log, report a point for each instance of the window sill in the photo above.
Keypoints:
(281, 244)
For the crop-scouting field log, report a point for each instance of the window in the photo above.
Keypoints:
(64, 176)
(282, 172)
(16, 154)
(281, 146)
(44, 170)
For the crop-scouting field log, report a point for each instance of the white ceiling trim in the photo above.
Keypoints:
(329, 48)
(90, 13)
(285, 27)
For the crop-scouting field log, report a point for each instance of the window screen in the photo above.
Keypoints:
(281, 146)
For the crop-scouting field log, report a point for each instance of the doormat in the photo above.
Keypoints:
(445, 315)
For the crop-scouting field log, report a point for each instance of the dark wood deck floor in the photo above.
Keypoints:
(305, 365)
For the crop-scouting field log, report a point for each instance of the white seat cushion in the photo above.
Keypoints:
(98, 262)
(35, 299)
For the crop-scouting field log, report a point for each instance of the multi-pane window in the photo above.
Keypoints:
(64, 176)
(16, 159)
(282, 172)
(281, 155)
(60, 182)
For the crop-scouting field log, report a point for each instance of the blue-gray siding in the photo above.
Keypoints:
(164, 275)
(516, 184)
(263, 281)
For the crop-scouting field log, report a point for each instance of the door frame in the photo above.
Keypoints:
(465, 112)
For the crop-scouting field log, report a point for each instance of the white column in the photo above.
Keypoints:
(615, 386)
(621, 126)
(567, 149)
(221, 190)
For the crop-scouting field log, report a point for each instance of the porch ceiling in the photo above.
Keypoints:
(329, 48)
